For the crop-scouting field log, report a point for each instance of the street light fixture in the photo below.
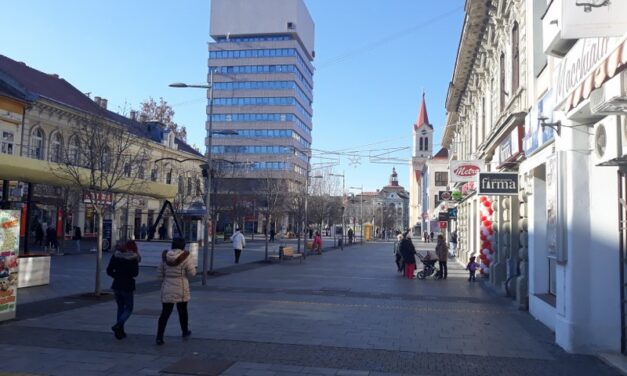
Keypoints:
(205, 246)
(343, 189)
(361, 211)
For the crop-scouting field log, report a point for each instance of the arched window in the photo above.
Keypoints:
(154, 174)
(141, 173)
(74, 157)
(421, 143)
(181, 184)
(515, 58)
(37, 144)
(55, 153)
(502, 81)
(427, 143)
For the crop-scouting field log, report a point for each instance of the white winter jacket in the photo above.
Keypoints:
(175, 269)
(238, 240)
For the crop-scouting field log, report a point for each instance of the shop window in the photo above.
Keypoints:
(8, 141)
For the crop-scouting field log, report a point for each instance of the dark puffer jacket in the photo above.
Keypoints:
(123, 268)
(408, 251)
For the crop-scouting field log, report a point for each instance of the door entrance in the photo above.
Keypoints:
(622, 230)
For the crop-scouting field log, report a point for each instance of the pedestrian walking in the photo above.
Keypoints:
(239, 243)
(123, 268)
(175, 269)
(350, 236)
(441, 250)
(51, 238)
(317, 243)
(454, 243)
(431, 235)
(398, 258)
(408, 251)
(272, 233)
(472, 268)
(162, 232)
(143, 230)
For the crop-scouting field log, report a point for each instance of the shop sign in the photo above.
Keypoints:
(536, 136)
(498, 183)
(445, 196)
(443, 224)
(452, 213)
(593, 18)
(463, 171)
(512, 145)
(9, 250)
(107, 234)
(100, 198)
(578, 63)
(443, 216)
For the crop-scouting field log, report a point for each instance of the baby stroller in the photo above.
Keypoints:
(428, 267)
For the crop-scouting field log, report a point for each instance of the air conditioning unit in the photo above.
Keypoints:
(611, 98)
(607, 141)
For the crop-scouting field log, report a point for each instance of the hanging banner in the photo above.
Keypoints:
(9, 250)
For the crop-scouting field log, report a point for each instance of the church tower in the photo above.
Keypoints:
(422, 150)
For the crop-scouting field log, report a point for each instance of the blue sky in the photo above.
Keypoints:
(373, 60)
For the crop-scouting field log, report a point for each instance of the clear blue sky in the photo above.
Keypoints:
(373, 60)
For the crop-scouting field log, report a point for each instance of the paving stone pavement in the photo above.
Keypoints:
(343, 313)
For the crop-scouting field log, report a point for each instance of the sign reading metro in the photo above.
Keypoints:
(498, 183)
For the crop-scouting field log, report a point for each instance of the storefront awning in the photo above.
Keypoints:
(609, 67)
(43, 172)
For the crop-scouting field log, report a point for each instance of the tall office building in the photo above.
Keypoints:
(261, 59)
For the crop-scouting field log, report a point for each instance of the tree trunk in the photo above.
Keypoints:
(99, 251)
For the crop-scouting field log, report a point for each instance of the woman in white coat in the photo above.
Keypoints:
(175, 269)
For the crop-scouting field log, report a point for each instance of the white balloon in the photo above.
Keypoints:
(485, 251)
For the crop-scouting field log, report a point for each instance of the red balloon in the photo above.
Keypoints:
(491, 231)
(487, 204)
(483, 217)
(487, 223)
(489, 227)
(491, 211)
(486, 244)
(483, 257)
(482, 198)
(491, 250)
(486, 262)
(483, 237)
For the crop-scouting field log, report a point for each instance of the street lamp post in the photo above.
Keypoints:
(361, 211)
(343, 188)
(205, 245)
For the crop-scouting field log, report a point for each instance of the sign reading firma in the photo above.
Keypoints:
(498, 183)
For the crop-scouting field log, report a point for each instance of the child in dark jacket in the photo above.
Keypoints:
(472, 268)
(123, 268)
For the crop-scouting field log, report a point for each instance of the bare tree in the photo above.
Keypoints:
(100, 160)
(271, 191)
(162, 112)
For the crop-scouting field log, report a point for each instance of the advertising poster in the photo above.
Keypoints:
(9, 250)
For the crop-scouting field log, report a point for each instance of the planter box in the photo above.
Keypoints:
(151, 251)
(33, 270)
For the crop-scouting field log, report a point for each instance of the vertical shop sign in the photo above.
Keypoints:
(107, 234)
(9, 250)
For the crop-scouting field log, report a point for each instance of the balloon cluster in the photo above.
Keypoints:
(486, 216)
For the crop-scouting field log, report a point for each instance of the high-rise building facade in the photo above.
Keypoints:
(260, 62)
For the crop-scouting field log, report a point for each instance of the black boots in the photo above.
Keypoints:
(118, 331)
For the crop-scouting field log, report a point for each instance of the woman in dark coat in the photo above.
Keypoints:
(123, 268)
(408, 251)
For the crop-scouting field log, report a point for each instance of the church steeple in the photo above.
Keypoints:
(423, 118)
(423, 133)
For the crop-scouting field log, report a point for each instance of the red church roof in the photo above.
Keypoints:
(423, 119)
(442, 154)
